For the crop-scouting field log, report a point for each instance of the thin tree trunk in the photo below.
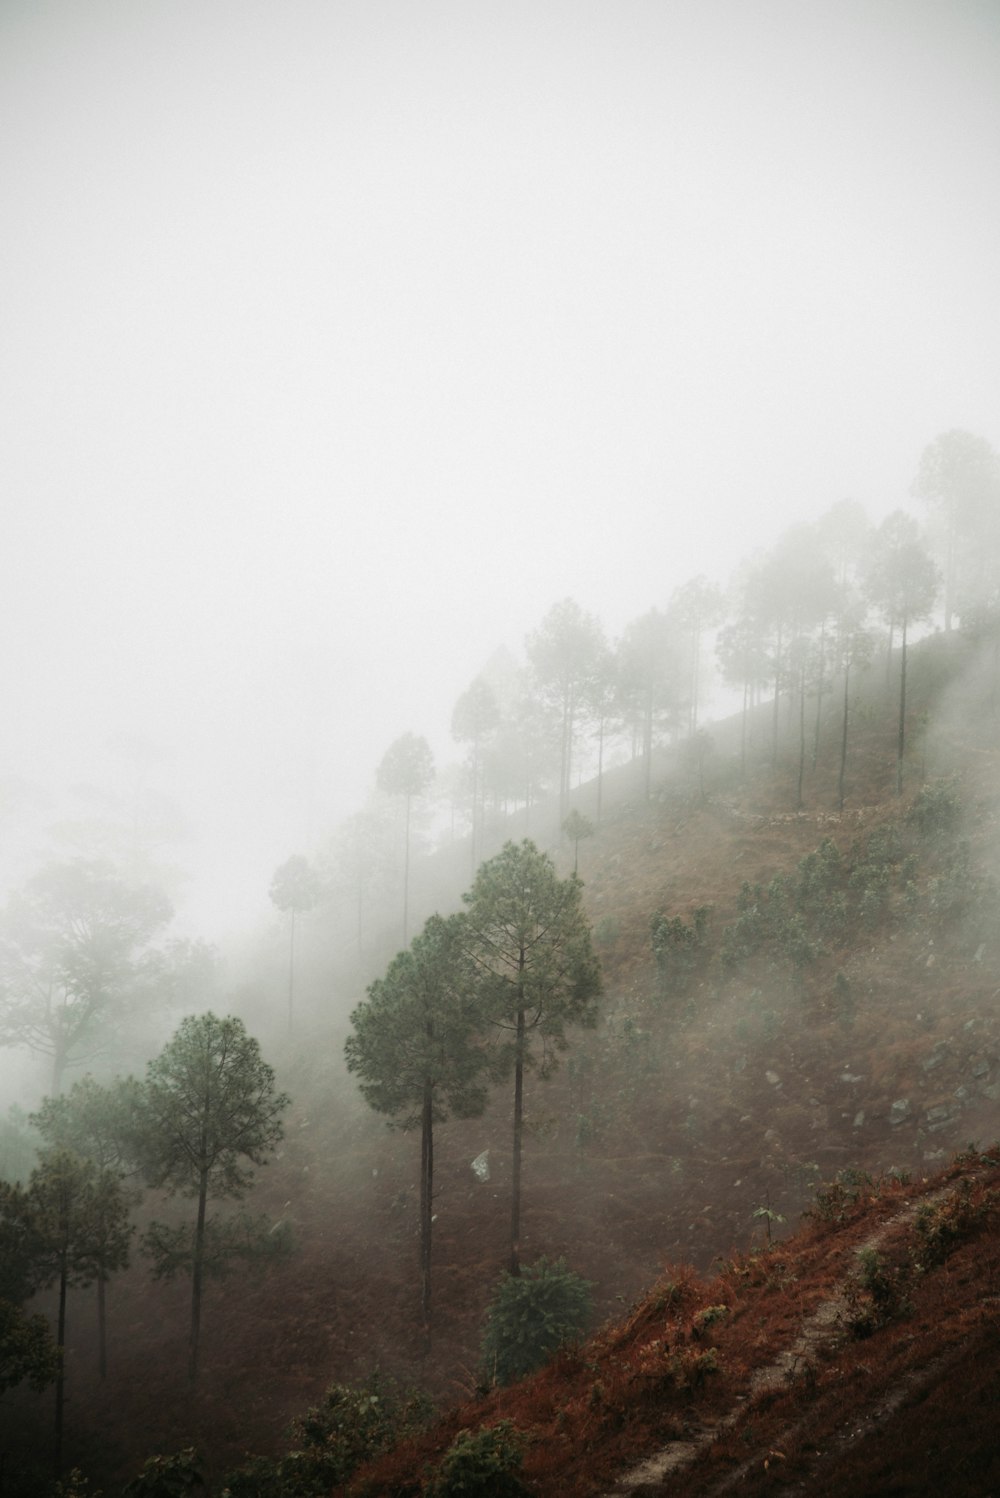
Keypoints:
(901, 735)
(102, 1325)
(819, 692)
(406, 874)
(515, 1204)
(426, 1210)
(197, 1269)
(777, 695)
(802, 734)
(61, 1355)
(291, 973)
(843, 738)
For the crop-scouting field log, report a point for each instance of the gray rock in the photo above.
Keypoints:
(900, 1111)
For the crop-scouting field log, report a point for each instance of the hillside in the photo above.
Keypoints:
(829, 1016)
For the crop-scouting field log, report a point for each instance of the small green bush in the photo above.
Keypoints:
(167, 1476)
(352, 1424)
(530, 1316)
(481, 1464)
(937, 810)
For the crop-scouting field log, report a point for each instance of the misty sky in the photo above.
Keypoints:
(340, 340)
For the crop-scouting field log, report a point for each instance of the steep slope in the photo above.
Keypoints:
(730, 1077)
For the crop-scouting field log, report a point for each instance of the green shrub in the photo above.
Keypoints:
(167, 1476)
(937, 810)
(352, 1424)
(481, 1464)
(530, 1316)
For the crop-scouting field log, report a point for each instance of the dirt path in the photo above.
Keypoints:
(816, 1332)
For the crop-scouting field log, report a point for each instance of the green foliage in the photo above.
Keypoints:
(676, 944)
(875, 1296)
(166, 1477)
(352, 1424)
(72, 959)
(419, 1030)
(27, 1352)
(937, 810)
(240, 1242)
(208, 1107)
(530, 940)
(607, 931)
(484, 1463)
(18, 1145)
(941, 1227)
(530, 1316)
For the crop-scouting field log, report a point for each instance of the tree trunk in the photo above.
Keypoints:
(61, 1355)
(819, 692)
(802, 735)
(426, 1211)
(197, 1271)
(291, 972)
(515, 1204)
(901, 734)
(843, 738)
(777, 695)
(102, 1324)
(406, 873)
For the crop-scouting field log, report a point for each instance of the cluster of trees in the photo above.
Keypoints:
(795, 621)
(477, 997)
(205, 1115)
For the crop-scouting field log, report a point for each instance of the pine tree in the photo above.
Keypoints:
(417, 1049)
(210, 1111)
(530, 940)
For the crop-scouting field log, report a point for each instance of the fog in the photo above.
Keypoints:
(341, 340)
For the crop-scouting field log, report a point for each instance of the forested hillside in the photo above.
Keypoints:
(799, 999)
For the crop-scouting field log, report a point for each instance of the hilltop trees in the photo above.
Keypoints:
(418, 1052)
(74, 959)
(295, 888)
(209, 1112)
(564, 653)
(406, 770)
(902, 581)
(959, 474)
(474, 721)
(536, 972)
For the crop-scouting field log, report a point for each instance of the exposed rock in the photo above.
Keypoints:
(900, 1111)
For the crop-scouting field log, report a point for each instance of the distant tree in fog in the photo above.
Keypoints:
(418, 1052)
(406, 770)
(576, 827)
(209, 1112)
(474, 721)
(564, 652)
(295, 888)
(603, 707)
(74, 960)
(902, 581)
(358, 862)
(959, 475)
(694, 608)
(650, 680)
(536, 971)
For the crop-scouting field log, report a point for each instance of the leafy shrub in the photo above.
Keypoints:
(481, 1464)
(941, 1228)
(530, 1316)
(675, 945)
(876, 1296)
(352, 1424)
(937, 810)
(167, 1476)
